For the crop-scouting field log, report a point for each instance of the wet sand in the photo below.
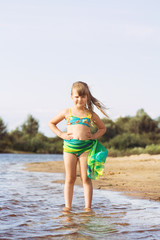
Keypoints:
(136, 175)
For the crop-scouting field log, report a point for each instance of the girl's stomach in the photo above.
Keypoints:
(79, 132)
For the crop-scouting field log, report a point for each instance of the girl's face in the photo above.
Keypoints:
(79, 101)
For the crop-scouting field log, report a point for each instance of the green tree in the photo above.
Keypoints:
(158, 122)
(15, 137)
(140, 113)
(3, 129)
(147, 124)
(127, 140)
(123, 124)
(30, 126)
(4, 140)
(134, 125)
(111, 130)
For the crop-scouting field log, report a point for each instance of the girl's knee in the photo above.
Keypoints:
(70, 180)
(86, 180)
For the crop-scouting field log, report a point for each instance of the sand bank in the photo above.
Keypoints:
(136, 175)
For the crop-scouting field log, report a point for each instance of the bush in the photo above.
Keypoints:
(153, 149)
(127, 140)
(4, 145)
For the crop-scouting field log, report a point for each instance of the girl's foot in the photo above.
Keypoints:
(88, 210)
(66, 209)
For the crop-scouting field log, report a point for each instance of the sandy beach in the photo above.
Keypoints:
(136, 175)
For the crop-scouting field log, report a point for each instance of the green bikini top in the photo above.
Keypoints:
(72, 120)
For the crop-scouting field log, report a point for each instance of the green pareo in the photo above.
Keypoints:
(96, 158)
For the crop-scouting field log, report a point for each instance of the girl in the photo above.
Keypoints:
(79, 143)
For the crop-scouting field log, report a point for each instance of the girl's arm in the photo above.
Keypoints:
(53, 125)
(100, 125)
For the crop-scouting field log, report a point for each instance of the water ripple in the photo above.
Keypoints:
(31, 207)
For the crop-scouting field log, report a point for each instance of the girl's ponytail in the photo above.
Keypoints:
(101, 107)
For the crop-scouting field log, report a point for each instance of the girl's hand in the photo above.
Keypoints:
(66, 136)
(90, 136)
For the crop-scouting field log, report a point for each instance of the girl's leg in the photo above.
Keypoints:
(87, 183)
(70, 163)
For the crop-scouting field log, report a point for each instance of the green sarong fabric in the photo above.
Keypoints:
(96, 158)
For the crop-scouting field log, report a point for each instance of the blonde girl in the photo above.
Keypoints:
(79, 143)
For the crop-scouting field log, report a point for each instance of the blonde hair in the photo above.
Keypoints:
(83, 89)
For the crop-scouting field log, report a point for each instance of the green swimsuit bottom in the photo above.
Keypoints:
(96, 157)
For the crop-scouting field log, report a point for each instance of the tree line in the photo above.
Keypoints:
(124, 136)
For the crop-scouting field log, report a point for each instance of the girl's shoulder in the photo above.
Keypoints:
(66, 112)
(95, 117)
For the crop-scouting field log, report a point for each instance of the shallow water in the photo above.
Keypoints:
(31, 207)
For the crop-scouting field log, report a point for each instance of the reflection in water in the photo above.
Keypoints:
(31, 207)
(86, 224)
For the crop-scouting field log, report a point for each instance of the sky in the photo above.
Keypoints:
(47, 45)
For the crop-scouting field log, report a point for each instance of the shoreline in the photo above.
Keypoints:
(137, 175)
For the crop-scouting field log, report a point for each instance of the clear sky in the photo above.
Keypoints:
(46, 45)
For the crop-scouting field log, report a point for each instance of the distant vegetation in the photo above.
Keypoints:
(125, 136)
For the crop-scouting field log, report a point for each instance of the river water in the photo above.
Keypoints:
(31, 207)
